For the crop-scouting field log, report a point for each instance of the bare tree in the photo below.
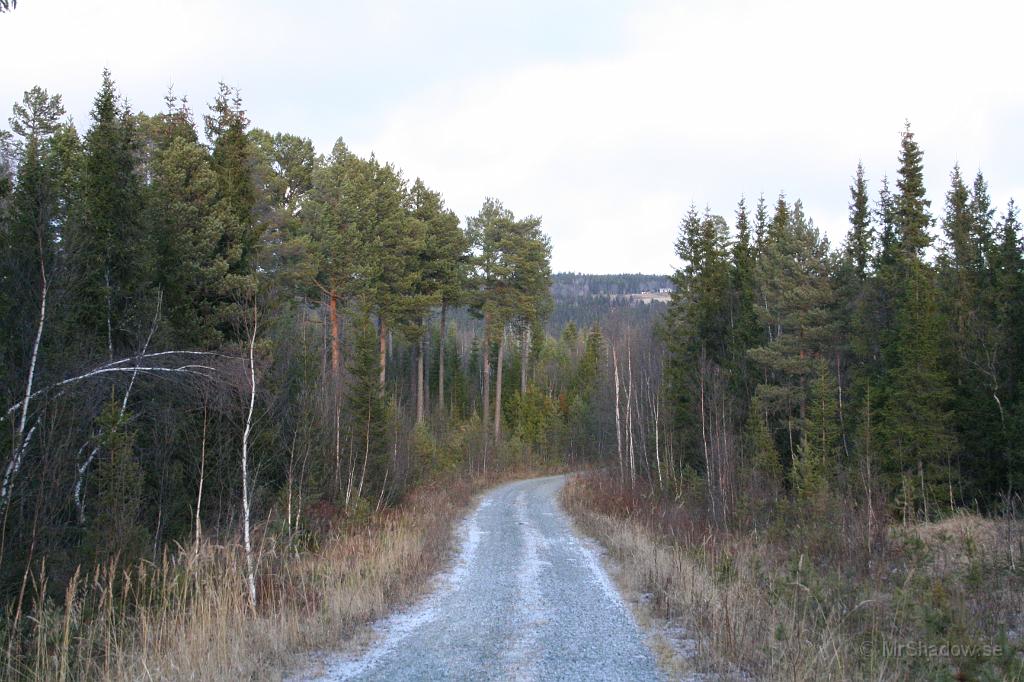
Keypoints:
(629, 413)
(618, 419)
(22, 439)
(250, 567)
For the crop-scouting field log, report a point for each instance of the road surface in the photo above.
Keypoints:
(526, 599)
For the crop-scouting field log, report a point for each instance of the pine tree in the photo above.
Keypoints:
(797, 298)
(443, 261)
(285, 166)
(36, 217)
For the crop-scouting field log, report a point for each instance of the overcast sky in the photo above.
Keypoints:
(607, 119)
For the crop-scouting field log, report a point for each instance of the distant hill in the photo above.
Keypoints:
(636, 300)
(573, 284)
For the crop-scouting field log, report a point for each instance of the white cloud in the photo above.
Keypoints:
(711, 100)
(607, 124)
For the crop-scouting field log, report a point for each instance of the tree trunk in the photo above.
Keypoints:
(709, 471)
(440, 358)
(618, 418)
(629, 415)
(20, 441)
(202, 477)
(525, 350)
(335, 336)
(485, 419)
(382, 332)
(655, 408)
(419, 378)
(250, 568)
(497, 387)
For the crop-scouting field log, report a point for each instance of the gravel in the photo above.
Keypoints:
(526, 599)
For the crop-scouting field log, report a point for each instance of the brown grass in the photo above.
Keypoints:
(188, 618)
(790, 603)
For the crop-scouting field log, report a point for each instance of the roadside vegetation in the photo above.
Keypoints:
(248, 388)
(814, 460)
(798, 598)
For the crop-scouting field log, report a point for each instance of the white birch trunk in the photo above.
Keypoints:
(618, 418)
(250, 568)
(629, 415)
(20, 441)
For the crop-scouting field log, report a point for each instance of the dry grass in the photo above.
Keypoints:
(790, 606)
(188, 618)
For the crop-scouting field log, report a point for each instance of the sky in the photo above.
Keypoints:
(608, 119)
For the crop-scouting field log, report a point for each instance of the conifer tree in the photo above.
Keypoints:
(793, 276)
(819, 440)
(1010, 317)
(36, 216)
(745, 330)
(760, 223)
(109, 251)
(697, 325)
(913, 423)
(181, 214)
(444, 264)
(232, 160)
(860, 242)
(367, 412)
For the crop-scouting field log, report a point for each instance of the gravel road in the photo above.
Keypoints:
(526, 599)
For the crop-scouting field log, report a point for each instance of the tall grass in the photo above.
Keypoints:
(189, 618)
(808, 598)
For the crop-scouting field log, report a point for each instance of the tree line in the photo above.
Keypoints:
(210, 327)
(888, 369)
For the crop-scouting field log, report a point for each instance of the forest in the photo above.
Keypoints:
(216, 339)
(892, 364)
(249, 388)
(822, 453)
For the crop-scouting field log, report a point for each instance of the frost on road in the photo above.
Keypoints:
(525, 600)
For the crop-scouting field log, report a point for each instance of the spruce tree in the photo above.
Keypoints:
(744, 331)
(232, 160)
(913, 424)
(697, 323)
(109, 251)
(860, 241)
(367, 410)
(819, 443)
(1010, 316)
(760, 223)
(181, 214)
